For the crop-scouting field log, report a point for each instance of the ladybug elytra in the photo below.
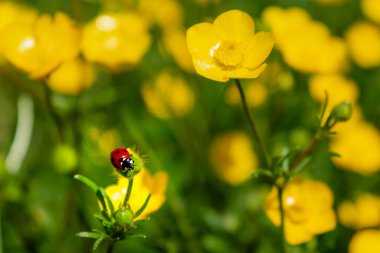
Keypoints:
(121, 159)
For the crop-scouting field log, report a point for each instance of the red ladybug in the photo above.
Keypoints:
(121, 159)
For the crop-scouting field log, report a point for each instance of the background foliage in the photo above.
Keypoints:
(42, 207)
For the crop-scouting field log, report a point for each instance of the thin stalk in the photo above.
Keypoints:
(56, 118)
(259, 144)
(129, 190)
(282, 218)
(308, 150)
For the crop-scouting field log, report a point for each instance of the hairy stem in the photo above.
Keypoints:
(129, 190)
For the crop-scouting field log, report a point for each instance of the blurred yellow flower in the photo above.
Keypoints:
(363, 213)
(168, 14)
(255, 92)
(338, 87)
(175, 44)
(233, 158)
(12, 12)
(365, 241)
(143, 184)
(371, 9)
(116, 40)
(229, 48)
(71, 77)
(308, 210)
(306, 45)
(363, 42)
(169, 95)
(38, 48)
(358, 144)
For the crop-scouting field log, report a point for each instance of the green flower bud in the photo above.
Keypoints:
(124, 216)
(342, 112)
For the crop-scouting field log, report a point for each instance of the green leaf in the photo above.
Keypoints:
(143, 206)
(93, 235)
(109, 202)
(99, 241)
(138, 236)
(100, 193)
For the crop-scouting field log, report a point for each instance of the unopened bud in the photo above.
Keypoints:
(342, 111)
(124, 216)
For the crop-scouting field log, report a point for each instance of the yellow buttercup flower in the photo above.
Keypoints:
(363, 42)
(175, 44)
(338, 88)
(365, 241)
(306, 45)
(116, 40)
(168, 14)
(364, 212)
(308, 210)
(38, 48)
(143, 185)
(358, 144)
(71, 77)
(371, 9)
(229, 48)
(233, 157)
(168, 96)
(11, 12)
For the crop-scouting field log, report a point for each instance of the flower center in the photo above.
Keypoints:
(228, 53)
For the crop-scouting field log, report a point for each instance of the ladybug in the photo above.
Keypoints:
(121, 159)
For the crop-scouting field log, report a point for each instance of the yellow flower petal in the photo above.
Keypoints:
(295, 234)
(365, 241)
(258, 49)
(201, 39)
(234, 25)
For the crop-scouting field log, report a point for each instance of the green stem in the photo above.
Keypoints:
(260, 146)
(282, 217)
(111, 246)
(308, 150)
(129, 190)
(56, 118)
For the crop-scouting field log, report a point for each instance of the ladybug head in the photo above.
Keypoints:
(121, 159)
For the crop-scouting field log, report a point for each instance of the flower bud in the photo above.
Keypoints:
(124, 216)
(342, 111)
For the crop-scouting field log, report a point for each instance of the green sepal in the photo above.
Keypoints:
(142, 208)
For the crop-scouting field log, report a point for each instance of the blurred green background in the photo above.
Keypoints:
(42, 207)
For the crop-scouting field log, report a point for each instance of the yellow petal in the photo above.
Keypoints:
(201, 39)
(208, 69)
(258, 49)
(246, 73)
(296, 233)
(234, 25)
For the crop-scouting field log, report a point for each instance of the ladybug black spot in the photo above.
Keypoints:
(117, 152)
(112, 160)
(125, 151)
